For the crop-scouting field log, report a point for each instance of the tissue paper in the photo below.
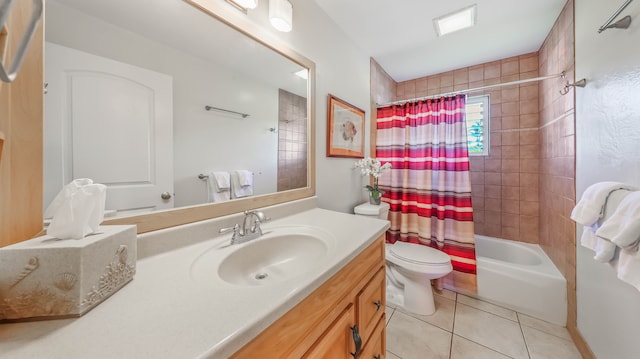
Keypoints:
(77, 210)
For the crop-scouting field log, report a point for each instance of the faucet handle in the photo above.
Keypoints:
(235, 229)
(256, 227)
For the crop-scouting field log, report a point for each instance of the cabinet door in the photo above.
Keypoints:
(376, 347)
(337, 341)
(371, 304)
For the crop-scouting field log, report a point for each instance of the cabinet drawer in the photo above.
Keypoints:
(371, 304)
(337, 342)
(376, 347)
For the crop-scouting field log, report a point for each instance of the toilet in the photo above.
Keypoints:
(409, 268)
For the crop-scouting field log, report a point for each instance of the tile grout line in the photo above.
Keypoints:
(453, 325)
(385, 326)
(482, 345)
(497, 315)
(526, 344)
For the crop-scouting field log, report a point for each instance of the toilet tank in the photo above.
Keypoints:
(367, 209)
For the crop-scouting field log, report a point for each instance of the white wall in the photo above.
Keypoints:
(342, 70)
(607, 149)
(202, 140)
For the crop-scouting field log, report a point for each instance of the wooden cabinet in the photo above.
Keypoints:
(337, 341)
(21, 131)
(376, 348)
(328, 322)
(371, 304)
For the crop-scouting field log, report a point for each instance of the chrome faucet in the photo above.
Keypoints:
(249, 230)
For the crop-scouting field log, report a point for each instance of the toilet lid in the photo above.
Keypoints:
(369, 209)
(417, 253)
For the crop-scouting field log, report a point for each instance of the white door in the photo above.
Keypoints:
(111, 122)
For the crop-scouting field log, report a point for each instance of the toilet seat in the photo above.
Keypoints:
(418, 254)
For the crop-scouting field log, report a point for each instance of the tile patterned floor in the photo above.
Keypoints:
(467, 328)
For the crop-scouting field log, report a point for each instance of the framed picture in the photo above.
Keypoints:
(345, 129)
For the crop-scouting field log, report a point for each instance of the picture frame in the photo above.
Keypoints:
(345, 129)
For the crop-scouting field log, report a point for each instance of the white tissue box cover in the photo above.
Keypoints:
(48, 278)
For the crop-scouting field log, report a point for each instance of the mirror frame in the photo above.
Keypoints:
(224, 12)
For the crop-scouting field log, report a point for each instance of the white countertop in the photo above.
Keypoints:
(165, 313)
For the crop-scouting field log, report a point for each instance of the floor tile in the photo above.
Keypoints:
(443, 317)
(390, 355)
(449, 294)
(410, 338)
(543, 326)
(495, 332)
(546, 346)
(389, 313)
(462, 348)
(488, 307)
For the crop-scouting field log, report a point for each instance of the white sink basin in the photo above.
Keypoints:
(281, 254)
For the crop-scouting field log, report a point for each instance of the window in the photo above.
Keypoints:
(477, 117)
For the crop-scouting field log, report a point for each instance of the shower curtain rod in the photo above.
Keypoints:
(401, 102)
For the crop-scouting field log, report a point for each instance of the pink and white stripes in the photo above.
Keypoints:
(428, 188)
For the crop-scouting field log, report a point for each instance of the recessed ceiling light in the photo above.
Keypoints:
(456, 21)
(244, 4)
(304, 73)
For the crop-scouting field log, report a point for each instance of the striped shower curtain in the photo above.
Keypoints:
(428, 187)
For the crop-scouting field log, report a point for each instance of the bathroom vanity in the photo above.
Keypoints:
(345, 315)
(180, 304)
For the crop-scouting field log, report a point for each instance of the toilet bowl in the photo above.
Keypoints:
(409, 268)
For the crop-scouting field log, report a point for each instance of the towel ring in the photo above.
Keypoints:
(9, 72)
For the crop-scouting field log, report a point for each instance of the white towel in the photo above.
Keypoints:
(221, 181)
(237, 178)
(216, 193)
(589, 238)
(591, 205)
(623, 227)
(245, 178)
(605, 250)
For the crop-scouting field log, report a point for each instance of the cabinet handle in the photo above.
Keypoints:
(377, 356)
(377, 303)
(357, 340)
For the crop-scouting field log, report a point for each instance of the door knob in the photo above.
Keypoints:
(165, 195)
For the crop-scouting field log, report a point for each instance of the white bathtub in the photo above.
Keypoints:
(521, 277)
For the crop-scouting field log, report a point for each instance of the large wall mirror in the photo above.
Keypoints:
(151, 97)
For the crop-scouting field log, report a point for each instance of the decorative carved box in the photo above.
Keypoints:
(48, 278)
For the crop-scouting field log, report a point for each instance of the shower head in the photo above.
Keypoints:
(620, 24)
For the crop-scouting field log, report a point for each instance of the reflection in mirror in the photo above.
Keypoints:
(128, 83)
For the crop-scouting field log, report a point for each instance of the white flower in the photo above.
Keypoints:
(372, 167)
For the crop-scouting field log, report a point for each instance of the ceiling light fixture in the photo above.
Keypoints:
(461, 19)
(281, 15)
(243, 5)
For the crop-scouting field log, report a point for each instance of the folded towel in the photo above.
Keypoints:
(605, 250)
(591, 205)
(238, 189)
(245, 178)
(589, 238)
(623, 227)
(222, 181)
(214, 192)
